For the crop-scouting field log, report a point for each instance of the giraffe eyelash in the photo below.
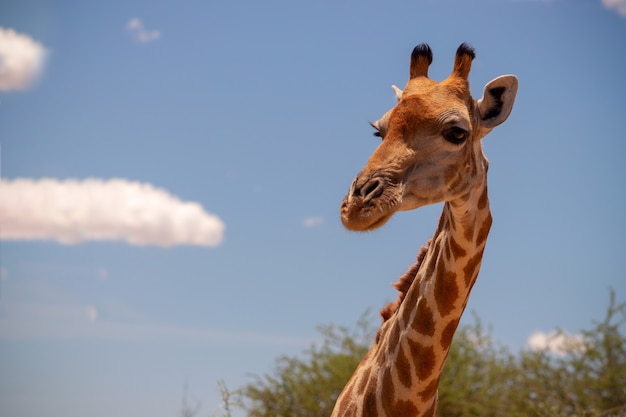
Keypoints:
(378, 133)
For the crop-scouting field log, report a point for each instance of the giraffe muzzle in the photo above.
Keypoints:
(371, 201)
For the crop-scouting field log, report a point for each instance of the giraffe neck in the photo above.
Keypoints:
(400, 373)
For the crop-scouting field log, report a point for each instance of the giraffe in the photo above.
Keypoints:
(431, 152)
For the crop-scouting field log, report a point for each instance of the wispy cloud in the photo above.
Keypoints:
(21, 60)
(618, 5)
(73, 211)
(559, 343)
(140, 33)
(36, 321)
(103, 274)
(313, 221)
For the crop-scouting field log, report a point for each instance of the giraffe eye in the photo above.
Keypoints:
(379, 133)
(455, 135)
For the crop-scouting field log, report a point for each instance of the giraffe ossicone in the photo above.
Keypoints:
(431, 152)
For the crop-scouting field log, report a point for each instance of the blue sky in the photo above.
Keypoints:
(242, 125)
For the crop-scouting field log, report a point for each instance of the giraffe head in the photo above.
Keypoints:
(431, 148)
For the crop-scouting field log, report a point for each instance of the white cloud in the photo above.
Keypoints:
(73, 211)
(92, 313)
(618, 5)
(140, 33)
(559, 343)
(21, 60)
(313, 221)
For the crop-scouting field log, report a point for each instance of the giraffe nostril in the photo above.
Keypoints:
(367, 188)
(372, 189)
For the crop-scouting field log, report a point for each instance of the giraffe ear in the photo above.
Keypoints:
(397, 91)
(497, 101)
(381, 124)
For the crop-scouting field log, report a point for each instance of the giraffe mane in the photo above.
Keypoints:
(404, 283)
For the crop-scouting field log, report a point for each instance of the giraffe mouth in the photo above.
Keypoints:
(370, 203)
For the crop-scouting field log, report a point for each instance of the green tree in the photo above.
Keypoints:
(478, 376)
(309, 386)
(586, 378)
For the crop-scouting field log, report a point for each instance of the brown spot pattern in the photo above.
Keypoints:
(470, 270)
(431, 410)
(469, 232)
(392, 340)
(430, 391)
(424, 358)
(452, 223)
(484, 198)
(405, 409)
(457, 250)
(432, 260)
(403, 367)
(424, 322)
(483, 232)
(446, 292)
(388, 393)
(447, 252)
(448, 334)
(369, 405)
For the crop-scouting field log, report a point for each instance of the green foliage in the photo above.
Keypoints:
(309, 386)
(478, 376)
(586, 378)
